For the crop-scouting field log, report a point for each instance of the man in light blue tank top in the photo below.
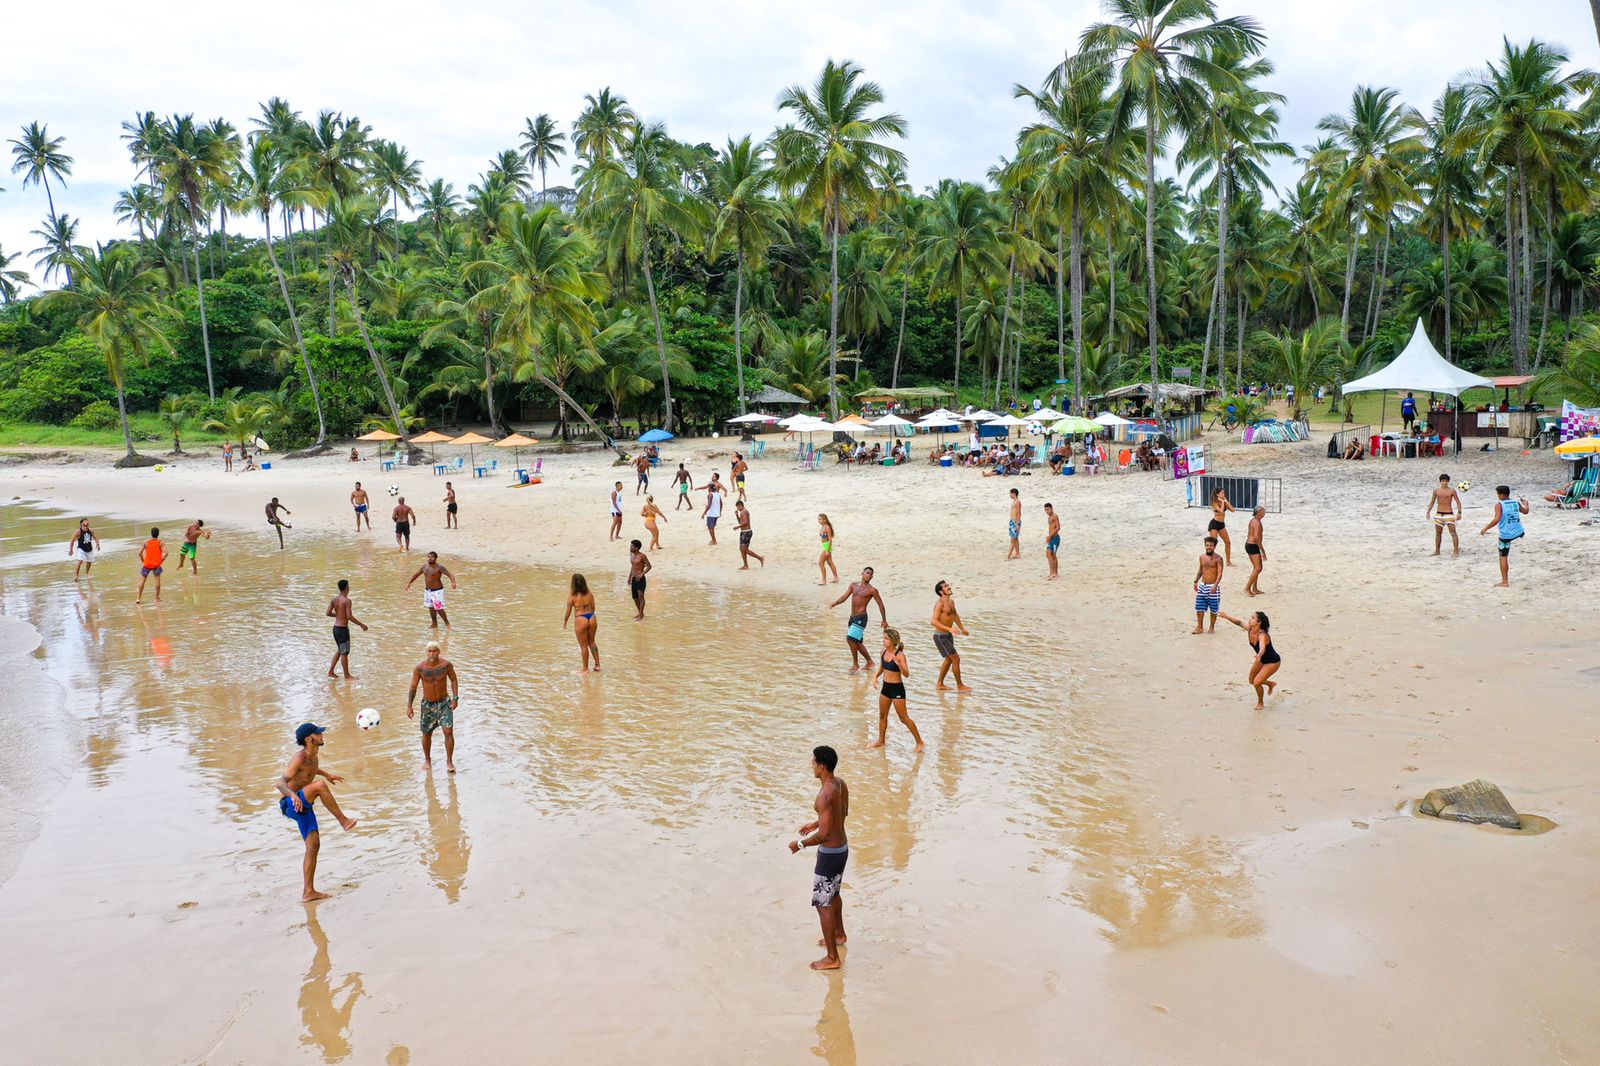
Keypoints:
(1508, 519)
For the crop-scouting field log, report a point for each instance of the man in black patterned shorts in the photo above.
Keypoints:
(441, 693)
(833, 851)
(946, 624)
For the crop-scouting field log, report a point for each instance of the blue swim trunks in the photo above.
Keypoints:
(1013, 528)
(1208, 598)
(1054, 543)
(305, 818)
(857, 628)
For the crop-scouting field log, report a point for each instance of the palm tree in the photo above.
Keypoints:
(352, 224)
(510, 170)
(602, 126)
(863, 304)
(438, 205)
(329, 156)
(561, 354)
(116, 307)
(1302, 362)
(60, 237)
(835, 160)
(900, 241)
(1451, 207)
(1577, 377)
(802, 364)
(963, 245)
(544, 145)
(748, 221)
(635, 193)
(396, 175)
(140, 207)
(467, 328)
(1162, 49)
(241, 420)
(176, 412)
(36, 156)
(11, 279)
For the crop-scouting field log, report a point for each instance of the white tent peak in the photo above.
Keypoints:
(1419, 368)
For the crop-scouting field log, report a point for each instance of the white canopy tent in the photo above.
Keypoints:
(1419, 368)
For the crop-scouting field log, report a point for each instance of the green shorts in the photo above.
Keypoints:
(437, 714)
(188, 549)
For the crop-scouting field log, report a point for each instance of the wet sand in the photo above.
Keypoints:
(1104, 854)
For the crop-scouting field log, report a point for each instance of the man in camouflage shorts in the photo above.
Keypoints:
(441, 692)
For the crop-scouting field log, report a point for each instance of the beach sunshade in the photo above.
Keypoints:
(654, 436)
(471, 440)
(379, 435)
(433, 436)
(979, 416)
(1109, 419)
(854, 420)
(1579, 446)
(1045, 414)
(1008, 421)
(1419, 367)
(890, 421)
(517, 441)
(792, 419)
(1076, 424)
(939, 422)
(755, 416)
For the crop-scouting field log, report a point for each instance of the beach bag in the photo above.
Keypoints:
(1333, 447)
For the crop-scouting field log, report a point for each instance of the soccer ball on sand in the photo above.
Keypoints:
(394, 490)
(1464, 486)
(368, 718)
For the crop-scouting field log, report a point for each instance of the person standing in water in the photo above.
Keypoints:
(450, 509)
(1219, 522)
(825, 560)
(1052, 539)
(85, 544)
(1507, 516)
(833, 852)
(616, 511)
(1014, 526)
(580, 602)
(946, 624)
(652, 515)
(152, 558)
(190, 548)
(861, 595)
(741, 515)
(1255, 549)
(278, 523)
(302, 783)
(362, 505)
(1444, 507)
(435, 673)
(1257, 631)
(713, 508)
(404, 515)
(433, 575)
(685, 482)
(892, 694)
(638, 567)
(343, 612)
(1208, 587)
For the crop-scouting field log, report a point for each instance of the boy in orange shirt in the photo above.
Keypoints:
(153, 555)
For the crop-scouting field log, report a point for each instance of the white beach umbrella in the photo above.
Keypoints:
(980, 416)
(938, 422)
(1007, 420)
(1109, 419)
(1045, 414)
(889, 422)
(789, 422)
(755, 417)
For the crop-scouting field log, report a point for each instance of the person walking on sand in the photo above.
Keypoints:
(1255, 549)
(892, 693)
(641, 465)
(1014, 526)
(190, 548)
(652, 515)
(946, 624)
(363, 507)
(404, 515)
(1208, 587)
(1444, 507)
(435, 674)
(737, 471)
(302, 783)
(343, 613)
(713, 508)
(1257, 631)
(450, 519)
(1507, 516)
(1219, 522)
(580, 602)
(227, 457)
(685, 482)
(85, 544)
(152, 558)
(1052, 538)
(616, 511)
(825, 560)
(433, 575)
(1408, 411)
(638, 567)
(861, 595)
(275, 521)
(833, 852)
(741, 515)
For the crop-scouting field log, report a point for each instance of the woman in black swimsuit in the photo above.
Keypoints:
(1219, 523)
(1257, 631)
(892, 669)
(580, 602)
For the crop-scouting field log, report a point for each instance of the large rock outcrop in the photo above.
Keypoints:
(1476, 801)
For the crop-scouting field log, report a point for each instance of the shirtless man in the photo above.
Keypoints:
(737, 471)
(433, 575)
(275, 522)
(85, 544)
(741, 515)
(434, 673)
(450, 519)
(833, 852)
(713, 508)
(685, 482)
(861, 595)
(343, 612)
(1052, 538)
(190, 549)
(946, 624)
(638, 567)
(1014, 527)
(1255, 550)
(1444, 507)
(301, 785)
(1208, 587)
(362, 505)
(403, 516)
(616, 511)
(641, 466)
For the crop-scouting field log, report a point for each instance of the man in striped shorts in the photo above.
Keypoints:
(1208, 588)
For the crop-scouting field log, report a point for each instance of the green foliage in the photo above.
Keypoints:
(53, 383)
(97, 415)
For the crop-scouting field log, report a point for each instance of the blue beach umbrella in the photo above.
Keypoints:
(654, 436)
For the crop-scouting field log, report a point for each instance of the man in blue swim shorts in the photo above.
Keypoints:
(1052, 539)
(358, 500)
(302, 784)
(1014, 526)
(1208, 587)
(861, 595)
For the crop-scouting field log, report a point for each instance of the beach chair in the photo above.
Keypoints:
(1583, 489)
(760, 451)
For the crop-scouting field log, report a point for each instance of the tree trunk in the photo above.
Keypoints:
(288, 239)
(1350, 270)
(1549, 263)
(1150, 252)
(205, 329)
(1447, 293)
(51, 200)
(833, 316)
(1077, 306)
(1111, 276)
(1000, 368)
(1383, 278)
(488, 387)
(738, 325)
(377, 363)
(661, 340)
(1511, 264)
(1016, 343)
(1239, 328)
(957, 385)
(294, 324)
(122, 409)
(1525, 261)
(905, 293)
(1061, 303)
(1218, 283)
(1594, 9)
(333, 325)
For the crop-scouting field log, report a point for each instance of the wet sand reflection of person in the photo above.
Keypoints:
(448, 847)
(836, 1042)
(327, 1023)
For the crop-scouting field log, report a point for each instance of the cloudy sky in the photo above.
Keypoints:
(455, 81)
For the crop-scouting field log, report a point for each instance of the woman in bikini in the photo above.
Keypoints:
(580, 602)
(825, 560)
(1219, 523)
(1257, 631)
(651, 514)
(892, 693)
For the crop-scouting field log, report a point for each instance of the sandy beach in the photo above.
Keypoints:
(1105, 855)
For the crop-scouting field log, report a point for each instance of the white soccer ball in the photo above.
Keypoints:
(394, 490)
(1465, 486)
(368, 718)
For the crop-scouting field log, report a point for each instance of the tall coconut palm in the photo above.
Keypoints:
(1162, 51)
(394, 174)
(544, 145)
(510, 169)
(116, 305)
(900, 242)
(963, 246)
(139, 207)
(438, 205)
(59, 247)
(801, 364)
(748, 220)
(330, 156)
(143, 136)
(11, 279)
(1302, 362)
(352, 224)
(560, 354)
(835, 159)
(36, 156)
(602, 126)
(1450, 209)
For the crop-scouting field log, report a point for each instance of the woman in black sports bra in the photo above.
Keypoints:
(892, 669)
(1257, 630)
(1219, 523)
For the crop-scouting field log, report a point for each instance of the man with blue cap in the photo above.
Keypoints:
(301, 785)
